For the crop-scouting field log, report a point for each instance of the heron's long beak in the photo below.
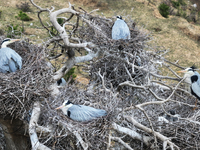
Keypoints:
(15, 40)
(182, 71)
(59, 107)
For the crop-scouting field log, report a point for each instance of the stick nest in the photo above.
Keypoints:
(18, 90)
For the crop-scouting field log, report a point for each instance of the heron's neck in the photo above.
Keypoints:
(64, 109)
(4, 45)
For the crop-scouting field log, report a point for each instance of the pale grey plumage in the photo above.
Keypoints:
(198, 75)
(120, 30)
(61, 82)
(80, 112)
(10, 61)
(192, 77)
(195, 86)
(196, 89)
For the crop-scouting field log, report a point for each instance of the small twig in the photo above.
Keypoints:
(157, 134)
(119, 140)
(102, 79)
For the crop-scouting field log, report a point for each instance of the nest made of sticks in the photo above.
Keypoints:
(18, 90)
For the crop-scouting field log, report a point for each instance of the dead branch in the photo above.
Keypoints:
(36, 145)
(158, 135)
(131, 133)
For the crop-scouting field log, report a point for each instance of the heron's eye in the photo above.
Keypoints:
(67, 103)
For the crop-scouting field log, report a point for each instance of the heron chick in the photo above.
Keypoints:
(10, 61)
(80, 112)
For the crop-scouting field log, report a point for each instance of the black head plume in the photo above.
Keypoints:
(67, 103)
(119, 17)
(193, 67)
(7, 39)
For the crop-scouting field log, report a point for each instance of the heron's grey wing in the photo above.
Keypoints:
(4, 68)
(10, 61)
(16, 59)
(198, 75)
(63, 83)
(120, 30)
(85, 113)
(196, 89)
(126, 31)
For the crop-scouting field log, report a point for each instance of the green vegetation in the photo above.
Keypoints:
(178, 3)
(70, 74)
(60, 21)
(175, 4)
(181, 2)
(180, 12)
(13, 30)
(164, 10)
(23, 16)
(0, 13)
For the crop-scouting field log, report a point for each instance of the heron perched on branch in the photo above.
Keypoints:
(120, 29)
(80, 112)
(193, 78)
(10, 61)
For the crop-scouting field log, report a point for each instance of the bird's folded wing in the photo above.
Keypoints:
(198, 75)
(9, 60)
(85, 113)
(196, 88)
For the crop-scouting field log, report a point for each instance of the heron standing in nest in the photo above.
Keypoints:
(10, 61)
(120, 29)
(192, 77)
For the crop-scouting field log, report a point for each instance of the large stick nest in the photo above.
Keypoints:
(18, 90)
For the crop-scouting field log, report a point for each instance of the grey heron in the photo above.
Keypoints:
(120, 29)
(10, 61)
(195, 86)
(193, 78)
(80, 112)
(61, 82)
(189, 72)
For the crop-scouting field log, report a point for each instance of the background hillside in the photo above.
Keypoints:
(175, 33)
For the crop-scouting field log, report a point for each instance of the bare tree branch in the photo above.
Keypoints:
(160, 136)
(131, 133)
(36, 145)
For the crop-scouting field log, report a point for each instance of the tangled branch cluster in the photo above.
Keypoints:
(145, 94)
